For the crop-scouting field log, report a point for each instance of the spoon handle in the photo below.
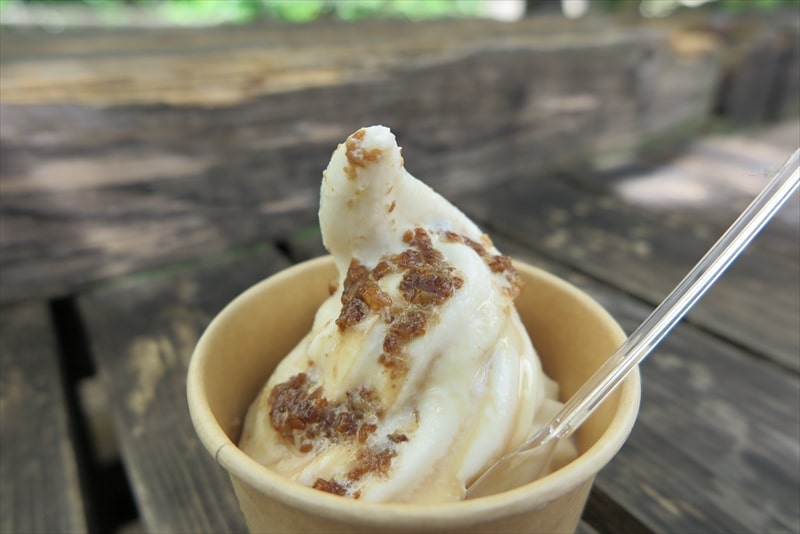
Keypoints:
(664, 318)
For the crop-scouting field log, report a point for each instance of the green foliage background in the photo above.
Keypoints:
(242, 11)
(199, 11)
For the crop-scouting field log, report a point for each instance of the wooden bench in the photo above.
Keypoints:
(137, 202)
(40, 489)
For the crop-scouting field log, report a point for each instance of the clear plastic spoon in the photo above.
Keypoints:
(537, 449)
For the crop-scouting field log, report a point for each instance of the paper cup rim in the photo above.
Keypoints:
(483, 509)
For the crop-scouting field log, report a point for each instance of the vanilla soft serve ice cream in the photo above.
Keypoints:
(417, 373)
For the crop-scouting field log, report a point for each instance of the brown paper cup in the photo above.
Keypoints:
(245, 342)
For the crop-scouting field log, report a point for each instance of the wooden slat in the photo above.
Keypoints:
(31, 44)
(143, 332)
(221, 66)
(782, 136)
(716, 436)
(39, 481)
(585, 528)
(89, 193)
(608, 515)
(713, 181)
(756, 303)
(761, 81)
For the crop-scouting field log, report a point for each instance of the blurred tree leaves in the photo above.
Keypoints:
(199, 12)
(208, 11)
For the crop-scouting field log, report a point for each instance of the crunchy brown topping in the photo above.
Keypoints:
(474, 245)
(479, 249)
(408, 259)
(361, 294)
(428, 281)
(395, 363)
(364, 401)
(372, 460)
(497, 263)
(411, 323)
(294, 408)
(333, 285)
(301, 414)
(429, 285)
(500, 264)
(357, 156)
(365, 430)
(397, 437)
(329, 486)
(382, 269)
(369, 460)
(346, 424)
(420, 239)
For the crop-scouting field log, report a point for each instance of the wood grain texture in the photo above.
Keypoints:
(712, 182)
(89, 193)
(715, 446)
(219, 66)
(608, 517)
(762, 73)
(585, 528)
(39, 481)
(143, 332)
(756, 303)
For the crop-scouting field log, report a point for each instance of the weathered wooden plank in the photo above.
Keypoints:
(29, 44)
(39, 482)
(783, 135)
(585, 528)
(756, 303)
(716, 437)
(712, 182)
(608, 516)
(141, 230)
(228, 65)
(91, 192)
(761, 74)
(143, 332)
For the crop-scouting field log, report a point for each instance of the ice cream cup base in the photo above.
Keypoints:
(242, 345)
